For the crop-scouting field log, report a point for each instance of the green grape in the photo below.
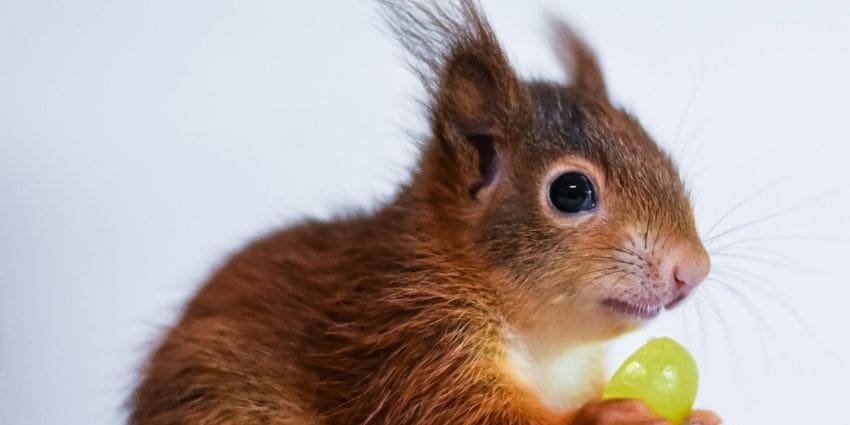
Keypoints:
(663, 374)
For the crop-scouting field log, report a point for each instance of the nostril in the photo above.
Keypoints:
(689, 274)
(681, 282)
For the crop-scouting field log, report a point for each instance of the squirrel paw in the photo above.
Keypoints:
(703, 417)
(620, 412)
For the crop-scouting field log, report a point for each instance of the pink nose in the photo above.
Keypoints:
(687, 265)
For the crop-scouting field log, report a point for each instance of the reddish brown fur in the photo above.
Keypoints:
(396, 317)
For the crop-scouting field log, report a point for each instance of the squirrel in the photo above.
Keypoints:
(539, 222)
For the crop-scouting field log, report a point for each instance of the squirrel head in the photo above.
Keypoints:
(570, 208)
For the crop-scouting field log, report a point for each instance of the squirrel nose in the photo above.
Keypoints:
(688, 266)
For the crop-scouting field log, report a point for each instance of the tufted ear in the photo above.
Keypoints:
(578, 59)
(478, 92)
(476, 98)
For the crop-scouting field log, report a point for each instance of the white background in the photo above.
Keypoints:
(141, 142)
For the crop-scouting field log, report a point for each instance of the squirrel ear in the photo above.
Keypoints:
(476, 98)
(477, 101)
(477, 94)
(578, 59)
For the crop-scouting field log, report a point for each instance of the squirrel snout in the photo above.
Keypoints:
(688, 265)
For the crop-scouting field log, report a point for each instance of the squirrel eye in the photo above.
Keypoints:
(572, 192)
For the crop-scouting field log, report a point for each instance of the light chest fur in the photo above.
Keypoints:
(562, 382)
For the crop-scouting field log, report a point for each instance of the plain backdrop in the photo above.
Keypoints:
(142, 142)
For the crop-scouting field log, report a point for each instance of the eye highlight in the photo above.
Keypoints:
(572, 192)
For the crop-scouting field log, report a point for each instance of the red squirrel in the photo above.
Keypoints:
(539, 222)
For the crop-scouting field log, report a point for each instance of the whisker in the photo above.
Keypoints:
(693, 136)
(622, 277)
(723, 326)
(774, 297)
(655, 240)
(627, 252)
(757, 283)
(760, 285)
(752, 222)
(799, 205)
(748, 305)
(664, 244)
(688, 164)
(735, 207)
(701, 318)
(776, 264)
(745, 249)
(594, 274)
(602, 259)
(738, 272)
(680, 126)
(624, 272)
(777, 237)
(767, 337)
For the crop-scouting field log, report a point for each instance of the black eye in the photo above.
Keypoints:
(572, 192)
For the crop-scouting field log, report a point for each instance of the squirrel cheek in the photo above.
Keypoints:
(649, 272)
(672, 260)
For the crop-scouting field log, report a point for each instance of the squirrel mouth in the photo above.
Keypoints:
(676, 301)
(641, 311)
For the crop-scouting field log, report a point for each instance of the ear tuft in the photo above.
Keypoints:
(454, 51)
(475, 98)
(432, 34)
(578, 59)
